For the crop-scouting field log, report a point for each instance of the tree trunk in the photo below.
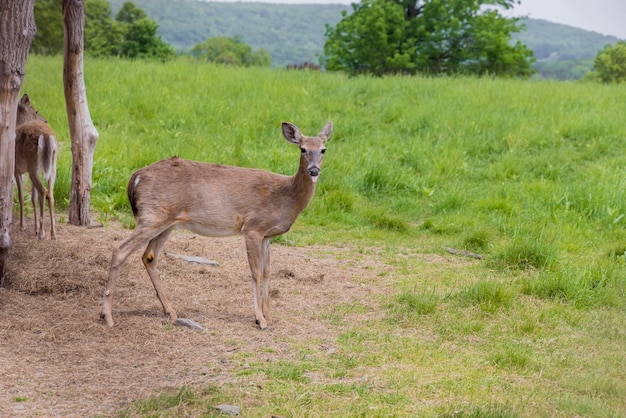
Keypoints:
(82, 132)
(17, 31)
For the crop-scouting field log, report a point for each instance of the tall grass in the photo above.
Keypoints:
(528, 174)
(499, 155)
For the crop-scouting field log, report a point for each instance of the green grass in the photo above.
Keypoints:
(530, 175)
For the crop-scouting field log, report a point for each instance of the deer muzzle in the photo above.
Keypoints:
(314, 172)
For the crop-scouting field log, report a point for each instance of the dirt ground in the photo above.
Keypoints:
(58, 358)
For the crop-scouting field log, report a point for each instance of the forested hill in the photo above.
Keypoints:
(562, 52)
(291, 34)
(294, 33)
(551, 40)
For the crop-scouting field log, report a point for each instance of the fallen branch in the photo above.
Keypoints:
(464, 253)
(194, 259)
(189, 323)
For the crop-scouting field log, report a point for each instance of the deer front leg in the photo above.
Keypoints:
(107, 300)
(150, 259)
(265, 295)
(132, 244)
(254, 248)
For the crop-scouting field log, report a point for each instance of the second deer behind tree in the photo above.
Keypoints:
(36, 151)
(217, 200)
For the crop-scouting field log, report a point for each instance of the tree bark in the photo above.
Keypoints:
(17, 31)
(83, 134)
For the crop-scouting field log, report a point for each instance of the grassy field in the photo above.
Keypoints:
(528, 175)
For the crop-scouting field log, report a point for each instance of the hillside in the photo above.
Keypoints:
(290, 33)
(562, 52)
(554, 41)
(294, 33)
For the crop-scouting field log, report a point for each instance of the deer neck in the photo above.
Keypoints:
(301, 187)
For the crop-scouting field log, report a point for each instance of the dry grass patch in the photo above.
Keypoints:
(59, 358)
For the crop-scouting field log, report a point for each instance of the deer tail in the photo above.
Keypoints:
(47, 148)
(130, 191)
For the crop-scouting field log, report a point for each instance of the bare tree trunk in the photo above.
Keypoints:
(82, 132)
(17, 31)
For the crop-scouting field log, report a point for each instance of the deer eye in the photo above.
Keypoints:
(323, 150)
(302, 150)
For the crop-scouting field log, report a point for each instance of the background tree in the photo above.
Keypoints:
(103, 35)
(610, 63)
(129, 13)
(132, 34)
(232, 51)
(433, 37)
(373, 39)
(139, 35)
(49, 38)
(17, 32)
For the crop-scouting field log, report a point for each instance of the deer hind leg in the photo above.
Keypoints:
(36, 197)
(20, 195)
(150, 259)
(254, 248)
(39, 194)
(139, 238)
(50, 197)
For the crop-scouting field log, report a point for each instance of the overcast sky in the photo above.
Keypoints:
(607, 17)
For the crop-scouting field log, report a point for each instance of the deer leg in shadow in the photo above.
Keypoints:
(150, 259)
(20, 195)
(39, 194)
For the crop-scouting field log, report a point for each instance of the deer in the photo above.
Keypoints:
(36, 152)
(217, 200)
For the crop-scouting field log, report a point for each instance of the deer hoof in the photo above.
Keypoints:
(108, 319)
(171, 316)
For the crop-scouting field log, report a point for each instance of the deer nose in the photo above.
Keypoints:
(314, 171)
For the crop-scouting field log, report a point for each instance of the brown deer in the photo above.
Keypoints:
(36, 152)
(217, 200)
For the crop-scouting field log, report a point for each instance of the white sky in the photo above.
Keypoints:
(607, 17)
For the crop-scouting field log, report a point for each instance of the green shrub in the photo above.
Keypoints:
(601, 284)
(527, 251)
(489, 296)
(410, 304)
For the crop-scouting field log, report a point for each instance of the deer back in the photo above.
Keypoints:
(35, 143)
(211, 199)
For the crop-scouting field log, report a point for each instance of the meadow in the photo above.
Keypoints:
(528, 177)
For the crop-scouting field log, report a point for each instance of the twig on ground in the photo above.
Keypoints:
(464, 253)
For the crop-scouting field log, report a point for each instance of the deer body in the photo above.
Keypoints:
(36, 151)
(221, 205)
(217, 200)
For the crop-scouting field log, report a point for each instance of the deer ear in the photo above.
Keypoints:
(292, 133)
(25, 100)
(326, 130)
